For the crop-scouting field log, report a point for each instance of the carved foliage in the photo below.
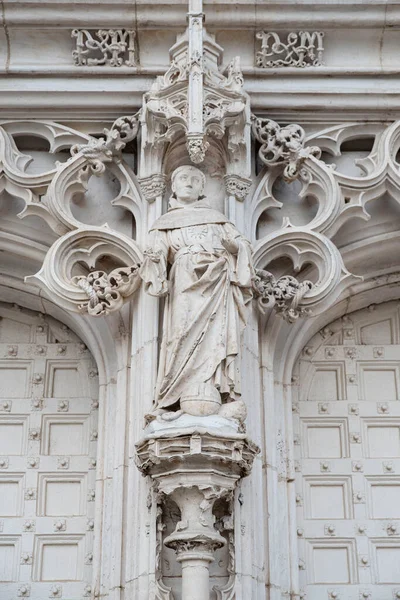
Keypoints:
(103, 150)
(304, 247)
(197, 147)
(237, 186)
(284, 294)
(282, 146)
(152, 187)
(107, 292)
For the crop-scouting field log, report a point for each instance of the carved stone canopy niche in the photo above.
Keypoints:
(201, 105)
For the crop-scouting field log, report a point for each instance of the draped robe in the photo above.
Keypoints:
(207, 292)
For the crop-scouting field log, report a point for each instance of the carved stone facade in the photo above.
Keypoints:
(199, 301)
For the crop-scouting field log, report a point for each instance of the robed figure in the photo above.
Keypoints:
(199, 261)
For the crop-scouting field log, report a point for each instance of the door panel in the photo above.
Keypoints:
(347, 449)
(48, 438)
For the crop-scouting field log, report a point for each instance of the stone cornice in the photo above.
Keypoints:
(171, 15)
(310, 96)
(359, 77)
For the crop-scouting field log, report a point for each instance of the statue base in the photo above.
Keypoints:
(195, 461)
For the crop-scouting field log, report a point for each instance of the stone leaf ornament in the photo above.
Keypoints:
(282, 145)
(107, 291)
(284, 294)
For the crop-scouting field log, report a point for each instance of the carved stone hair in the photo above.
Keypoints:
(182, 168)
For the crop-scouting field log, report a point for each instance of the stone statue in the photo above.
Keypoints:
(203, 266)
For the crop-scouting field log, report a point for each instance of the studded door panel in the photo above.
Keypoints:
(48, 435)
(347, 449)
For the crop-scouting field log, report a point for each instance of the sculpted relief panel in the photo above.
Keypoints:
(302, 49)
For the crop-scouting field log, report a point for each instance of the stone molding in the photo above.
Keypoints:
(233, 455)
(280, 15)
(362, 83)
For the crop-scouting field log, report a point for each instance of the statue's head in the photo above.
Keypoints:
(188, 184)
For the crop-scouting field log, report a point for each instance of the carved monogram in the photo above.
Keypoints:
(301, 49)
(110, 47)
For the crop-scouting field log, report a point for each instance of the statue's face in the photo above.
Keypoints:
(188, 185)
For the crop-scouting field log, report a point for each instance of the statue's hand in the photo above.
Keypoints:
(230, 244)
(154, 255)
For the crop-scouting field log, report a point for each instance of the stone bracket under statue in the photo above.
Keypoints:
(195, 461)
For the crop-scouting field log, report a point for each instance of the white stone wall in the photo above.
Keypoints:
(348, 107)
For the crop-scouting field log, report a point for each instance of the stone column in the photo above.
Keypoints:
(195, 538)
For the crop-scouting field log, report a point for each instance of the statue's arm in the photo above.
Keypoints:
(153, 270)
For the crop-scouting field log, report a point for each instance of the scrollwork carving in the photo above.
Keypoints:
(103, 150)
(113, 47)
(303, 246)
(97, 293)
(32, 188)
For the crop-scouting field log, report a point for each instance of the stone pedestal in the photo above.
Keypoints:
(195, 461)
